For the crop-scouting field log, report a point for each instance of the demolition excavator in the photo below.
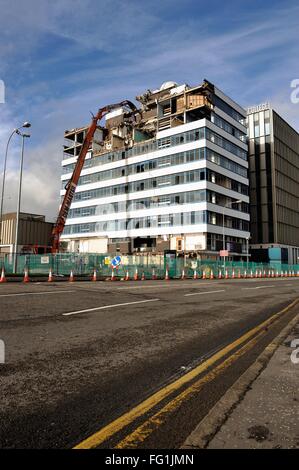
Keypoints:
(73, 182)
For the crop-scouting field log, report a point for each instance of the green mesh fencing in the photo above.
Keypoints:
(139, 266)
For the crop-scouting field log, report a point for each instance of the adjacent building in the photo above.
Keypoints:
(274, 186)
(173, 175)
(34, 233)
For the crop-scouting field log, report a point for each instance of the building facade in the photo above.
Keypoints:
(172, 176)
(274, 186)
(34, 233)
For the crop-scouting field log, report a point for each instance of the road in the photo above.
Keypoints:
(127, 364)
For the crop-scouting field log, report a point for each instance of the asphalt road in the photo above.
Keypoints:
(82, 355)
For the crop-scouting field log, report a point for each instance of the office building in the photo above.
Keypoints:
(274, 186)
(173, 175)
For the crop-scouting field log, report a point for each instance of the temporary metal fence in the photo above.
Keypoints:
(147, 266)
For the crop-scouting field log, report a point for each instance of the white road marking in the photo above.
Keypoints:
(258, 287)
(164, 285)
(202, 293)
(37, 293)
(109, 306)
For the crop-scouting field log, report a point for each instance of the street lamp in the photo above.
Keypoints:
(226, 206)
(24, 136)
(15, 131)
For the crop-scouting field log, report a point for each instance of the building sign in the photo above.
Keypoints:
(258, 108)
(223, 253)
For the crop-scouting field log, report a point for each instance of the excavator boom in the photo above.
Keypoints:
(73, 182)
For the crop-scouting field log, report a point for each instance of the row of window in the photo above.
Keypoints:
(158, 201)
(184, 137)
(162, 182)
(227, 127)
(226, 108)
(159, 221)
(226, 144)
(163, 162)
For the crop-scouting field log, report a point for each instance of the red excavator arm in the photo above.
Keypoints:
(72, 183)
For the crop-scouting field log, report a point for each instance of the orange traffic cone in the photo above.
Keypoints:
(220, 274)
(166, 274)
(226, 274)
(136, 275)
(154, 276)
(245, 274)
(143, 277)
(112, 275)
(94, 277)
(211, 274)
(204, 276)
(239, 274)
(233, 274)
(71, 279)
(50, 278)
(127, 278)
(3, 278)
(26, 276)
(183, 274)
(195, 274)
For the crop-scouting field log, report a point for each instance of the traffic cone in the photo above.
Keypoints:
(50, 278)
(233, 274)
(195, 274)
(166, 274)
(251, 274)
(245, 274)
(143, 277)
(154, 276)
(112, 275)
(220, 274)
(204, 276)
(26, 276)
(127, 277)
(136, 275)
(94, 277)
(3, 278)
(71, 279)
(183, 274)
(239, 274)
(272, 274)
(297, 273)
(211, 274)
(226, 274)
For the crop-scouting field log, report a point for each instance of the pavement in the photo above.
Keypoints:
(261, 410)
(128, 365)
(268, 415)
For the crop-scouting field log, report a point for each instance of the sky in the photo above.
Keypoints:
(62, 59)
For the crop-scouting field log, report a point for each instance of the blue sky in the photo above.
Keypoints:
(61, 59)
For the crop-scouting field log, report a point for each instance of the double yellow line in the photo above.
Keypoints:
(145, 429)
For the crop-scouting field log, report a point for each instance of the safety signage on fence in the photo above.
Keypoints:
(116, 261)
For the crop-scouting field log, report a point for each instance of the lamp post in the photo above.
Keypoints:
(24, 136)
(247, 251)
(15, 131)
(226, 206)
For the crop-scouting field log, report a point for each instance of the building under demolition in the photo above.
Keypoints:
(172, 174)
